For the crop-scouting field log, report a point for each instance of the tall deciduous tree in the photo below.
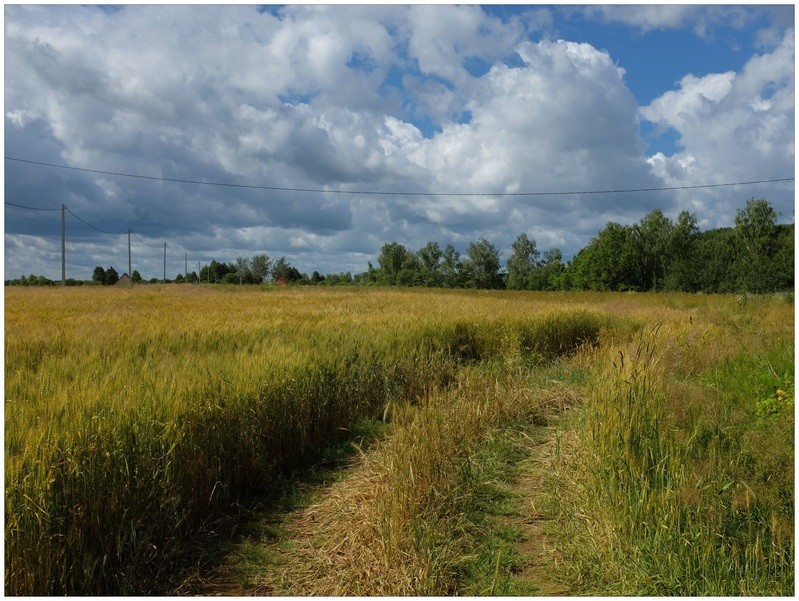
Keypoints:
(259, 267)
(756, 229)
(451, 267)
(111, 277)
(398, 266)
(282, 269)
(430, 263)
(242, 270)
(522, 263)
(548, 273)
(680, 269)
(650, 240)
(609, 261)
(98, 275)
(481, 268)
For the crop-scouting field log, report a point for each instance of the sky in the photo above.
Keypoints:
(336, 129)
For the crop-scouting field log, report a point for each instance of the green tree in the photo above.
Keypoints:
(260, 267)
(713, 261)
(98, 275)
(783, 260)
(398, 266)
(111, 277)
(548, 272)
(430, 264)
(650, 239)
(283, 269)
(135, 277)
(451, 267)
(243, 272)
(756, 234)
(481, 267)
(681, 266)
(522, 263)
(338, 279)
(215, 271)
(609, 262)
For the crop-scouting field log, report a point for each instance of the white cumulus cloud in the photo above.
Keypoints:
(732, 127)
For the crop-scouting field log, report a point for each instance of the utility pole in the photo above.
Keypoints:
(130, 269)
(63, 245)
(186, 266)
(198, 272)
(164, 262)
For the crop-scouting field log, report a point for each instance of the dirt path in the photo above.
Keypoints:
(533, 519)
(278, 554)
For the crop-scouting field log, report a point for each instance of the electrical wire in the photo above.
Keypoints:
(354, 192)
(386, 193)
(93, 226)
(31, 208)
(142, 241)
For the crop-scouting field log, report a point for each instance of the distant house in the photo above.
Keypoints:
(124, 280)
(280, 281)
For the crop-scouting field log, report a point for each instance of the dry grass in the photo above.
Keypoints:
(400, 523)
(134, 413)
(134, 417)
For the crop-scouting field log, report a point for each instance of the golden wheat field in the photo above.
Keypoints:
(133, 416)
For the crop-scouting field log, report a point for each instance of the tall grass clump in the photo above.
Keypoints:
(685, 476)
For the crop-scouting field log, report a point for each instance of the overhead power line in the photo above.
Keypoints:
(94, 227)
(31, 208)
(79, 218)
(142, 241)
(391, 193)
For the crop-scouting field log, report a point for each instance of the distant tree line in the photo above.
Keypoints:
(756, 255)
(655, 254)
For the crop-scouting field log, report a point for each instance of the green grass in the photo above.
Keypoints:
(685, 487)
(494, 557)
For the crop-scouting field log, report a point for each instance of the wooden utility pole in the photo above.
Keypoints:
(186, 266)
(63, 245)
(164, 262)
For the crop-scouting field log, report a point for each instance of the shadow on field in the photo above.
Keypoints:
(223, 556)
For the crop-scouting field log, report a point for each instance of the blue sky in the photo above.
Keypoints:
(403, 98)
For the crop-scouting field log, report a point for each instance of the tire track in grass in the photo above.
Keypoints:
(538, 555)
(317, 548)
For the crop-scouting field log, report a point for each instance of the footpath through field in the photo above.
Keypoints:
(283, 549)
